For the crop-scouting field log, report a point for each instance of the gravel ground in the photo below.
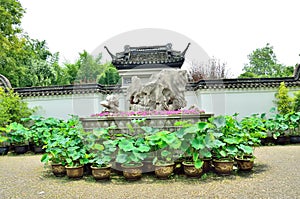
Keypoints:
(276, 175)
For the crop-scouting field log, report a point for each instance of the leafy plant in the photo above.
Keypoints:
(293, 121)
(65, 145)
(41, 128)
(253, 130)
(12, 108)
(196, 142)
(164, 143)
(17, 134)
(100, 146)
(132, 150)
(226, 130)
(277, 125)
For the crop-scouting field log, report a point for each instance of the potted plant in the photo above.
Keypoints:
(294, 126)
(101, 148)
(55, 152)
(165, 143)
(278, 126)
(226, 144)
(196, 144)
(40, 129)
(252, 131)
(132, 150)
(75, 151)
(65, 149)
(18, 136)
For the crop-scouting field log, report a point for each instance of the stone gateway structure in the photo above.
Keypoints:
(144, 61)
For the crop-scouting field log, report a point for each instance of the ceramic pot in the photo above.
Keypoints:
(38, 149)
(132, 172)
(58, 169)
(75, 172)
(164, 171)
(223, 167)
(294, 139)
(191, 171)
(21, 149)
(101, 173)
(282, 140)
(4, 150)
(245, 164)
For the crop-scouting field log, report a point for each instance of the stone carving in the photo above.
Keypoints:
(110, 104)
(164, 91)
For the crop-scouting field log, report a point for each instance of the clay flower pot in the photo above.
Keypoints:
(223, 167)
(245, 164)
(75, 172)
(191, 171)
(58, 169)
(163, 171)
(132, 172)
(101, 173)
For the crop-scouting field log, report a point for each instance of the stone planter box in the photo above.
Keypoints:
(165, 122)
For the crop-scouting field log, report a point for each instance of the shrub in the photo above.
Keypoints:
(12, 108)
(297, 101)
(283, 101)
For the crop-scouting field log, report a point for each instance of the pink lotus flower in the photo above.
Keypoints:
(146, 113)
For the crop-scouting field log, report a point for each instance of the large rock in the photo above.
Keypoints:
(164, 91)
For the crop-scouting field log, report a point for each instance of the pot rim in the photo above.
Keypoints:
(132, 166)
(160, 164)
(223, 160)
(106, 167)
(74, 167)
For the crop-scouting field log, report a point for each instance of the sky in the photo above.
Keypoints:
(226, 29)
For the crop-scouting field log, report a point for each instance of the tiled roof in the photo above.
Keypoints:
(203, 84)
(247, 82)
(148, 57)
(66, 90)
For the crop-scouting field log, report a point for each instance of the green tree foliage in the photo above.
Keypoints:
(25, 61)
(12, 108)
(110, 76)
(71, 71)
(263, 63)
(12, 50)
(297, 101)
(89, 67)
(283, 101)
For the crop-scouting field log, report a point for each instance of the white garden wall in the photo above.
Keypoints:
(244, 101)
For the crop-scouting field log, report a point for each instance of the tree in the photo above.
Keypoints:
(214, 69)
(12, 43)
(110, 76)
(71, 71)
(41, 66)
(89, 67)
(25, 61)
(283, 101)
(263, 63)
